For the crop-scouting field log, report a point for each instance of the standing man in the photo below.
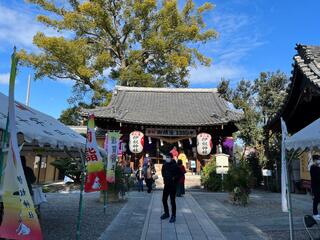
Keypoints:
(171, 174)
(315, 185)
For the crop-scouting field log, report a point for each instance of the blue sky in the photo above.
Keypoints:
(254, 36)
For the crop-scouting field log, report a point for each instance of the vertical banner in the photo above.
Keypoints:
(20, 220)
(204, 144)
(96, 175)
(112, 150)
(284, 202)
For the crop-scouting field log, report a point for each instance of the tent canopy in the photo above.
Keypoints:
(308, 137)
(40, 127)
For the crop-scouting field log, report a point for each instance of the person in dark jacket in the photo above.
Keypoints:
(315, 185)
(28, 172)
(171, 175)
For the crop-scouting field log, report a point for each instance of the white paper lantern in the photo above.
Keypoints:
(136, 142)
(204, 144)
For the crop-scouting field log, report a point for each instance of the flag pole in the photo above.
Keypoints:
(28, 91)
(80, 211)
(105, 194)
(106, 168)
(4, 142)
(5, 134)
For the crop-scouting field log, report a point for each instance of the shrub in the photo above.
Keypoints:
(120, 183)
(69, 167)
(255, 167)
(238, 183)
(210, 180)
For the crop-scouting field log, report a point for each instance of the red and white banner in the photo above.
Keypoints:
(96, 174)
(204, 144)
(136, 142)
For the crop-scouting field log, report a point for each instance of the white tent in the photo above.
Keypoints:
(40, 128)
(308, 137)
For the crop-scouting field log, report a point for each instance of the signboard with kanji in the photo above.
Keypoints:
(168, 132)
(136, 142)
(222, 163)
(204, 144)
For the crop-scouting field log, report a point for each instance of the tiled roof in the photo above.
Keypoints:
(168, 106)
(308, 61)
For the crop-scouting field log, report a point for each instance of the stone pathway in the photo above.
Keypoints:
(128, 224)
(192, 222)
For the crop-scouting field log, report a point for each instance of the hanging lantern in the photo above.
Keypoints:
(161, 142)
(190, 141)
(149, 139)
(204, 144)
(136, 142)
(179, 144)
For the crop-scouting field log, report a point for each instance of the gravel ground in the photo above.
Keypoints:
(59, 216)
(263, 213)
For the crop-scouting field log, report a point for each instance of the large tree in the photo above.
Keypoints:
(260, 100)
(138, 42)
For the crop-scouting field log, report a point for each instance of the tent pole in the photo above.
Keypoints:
(288, 185)
(80, 211)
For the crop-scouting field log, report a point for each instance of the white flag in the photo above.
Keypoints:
(284, 202)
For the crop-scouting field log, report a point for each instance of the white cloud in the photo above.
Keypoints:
(18, 26)
(238, 37)
(4, 78)
(212, 75)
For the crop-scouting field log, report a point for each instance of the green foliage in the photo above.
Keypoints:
(259, 100)
(209, 178)
(70, 168)
(255, 167)
(71, 116)
(141, 43)
(120, 183)
(238, 183)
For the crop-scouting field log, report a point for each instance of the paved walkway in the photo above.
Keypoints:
(192, 222)
(139, 219)
(129, 222)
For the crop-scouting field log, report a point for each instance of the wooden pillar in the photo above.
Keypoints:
(198, 165)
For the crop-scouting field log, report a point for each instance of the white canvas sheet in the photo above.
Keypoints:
(308, 137)
(44, 129)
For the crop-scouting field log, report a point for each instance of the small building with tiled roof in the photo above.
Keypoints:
(168, 116)
(302, 103)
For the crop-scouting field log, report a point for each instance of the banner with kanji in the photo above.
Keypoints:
(96, 174)
(112, 148)
(20, 220)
